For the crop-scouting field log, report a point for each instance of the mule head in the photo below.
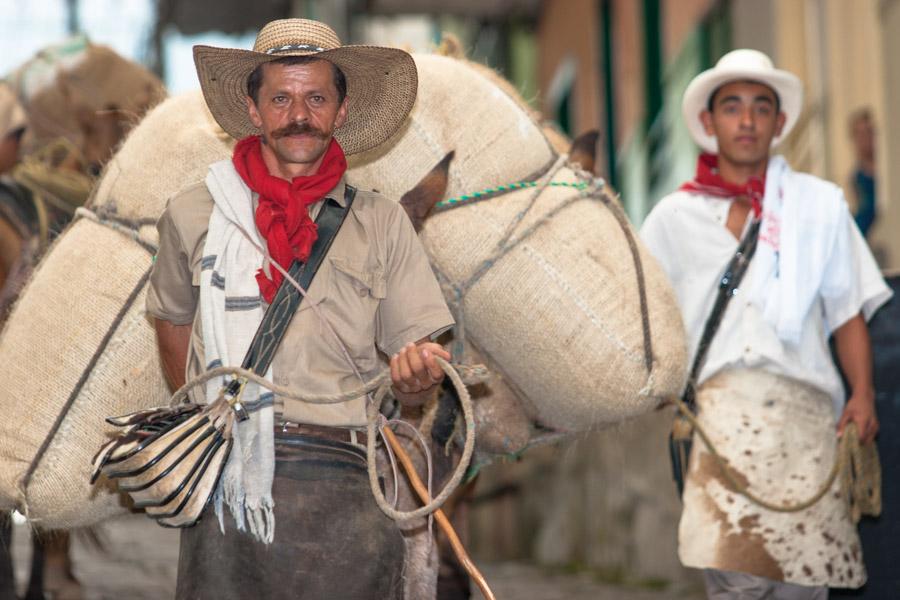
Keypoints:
(419, 201)
(101, 130)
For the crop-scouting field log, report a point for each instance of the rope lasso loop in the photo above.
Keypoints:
(372, 413)
(381, 380)
(860, 480)
(380, 385)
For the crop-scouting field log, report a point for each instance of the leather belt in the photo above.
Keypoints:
(335, 434)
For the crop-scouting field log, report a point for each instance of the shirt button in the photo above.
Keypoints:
(363, 292)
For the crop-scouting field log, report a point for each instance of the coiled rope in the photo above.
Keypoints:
(857, 466)
(377, 388)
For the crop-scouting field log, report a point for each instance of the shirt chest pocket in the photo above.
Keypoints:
(354, 293)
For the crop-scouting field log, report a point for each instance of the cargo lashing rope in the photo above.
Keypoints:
(128, 227)
(488, 193)
(588, 187)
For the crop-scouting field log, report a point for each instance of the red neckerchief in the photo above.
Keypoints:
(707, 181)
(282, 216)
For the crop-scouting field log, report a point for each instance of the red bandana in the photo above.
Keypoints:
(708, 181)
(282, 216)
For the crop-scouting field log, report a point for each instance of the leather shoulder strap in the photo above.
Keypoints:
(728, 286)
(287, 299)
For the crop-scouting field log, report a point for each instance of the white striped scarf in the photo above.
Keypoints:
(231, 309)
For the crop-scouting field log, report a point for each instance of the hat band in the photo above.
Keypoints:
(290, 47)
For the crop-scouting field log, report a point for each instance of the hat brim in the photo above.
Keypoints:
(381, 90)
(786, 85)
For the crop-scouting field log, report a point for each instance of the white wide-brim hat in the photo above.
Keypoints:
(740, 65)
(381, 82)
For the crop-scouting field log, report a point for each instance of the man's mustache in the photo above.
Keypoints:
(301, 128)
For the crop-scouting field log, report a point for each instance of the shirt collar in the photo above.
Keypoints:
(337, 193)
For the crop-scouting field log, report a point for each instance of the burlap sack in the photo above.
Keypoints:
(75, 350)
(78, 346)
(559, 314)
(171, 149)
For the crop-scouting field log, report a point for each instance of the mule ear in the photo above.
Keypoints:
(419, 201)
(451, 46)
(584, 150)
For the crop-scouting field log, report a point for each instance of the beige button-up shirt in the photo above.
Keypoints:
(375, 287)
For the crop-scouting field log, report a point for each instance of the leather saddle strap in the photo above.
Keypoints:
(731, 280)
(287, 299)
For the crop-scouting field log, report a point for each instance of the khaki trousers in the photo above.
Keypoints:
(729, 585)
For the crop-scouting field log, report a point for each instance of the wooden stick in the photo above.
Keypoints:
(439, 516)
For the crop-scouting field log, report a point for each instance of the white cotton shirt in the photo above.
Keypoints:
(687, 234)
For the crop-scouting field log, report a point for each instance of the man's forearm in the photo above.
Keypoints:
(854, 350)
(173, 341)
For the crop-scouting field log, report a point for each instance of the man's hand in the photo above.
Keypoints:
(860, 409)
(415, 372)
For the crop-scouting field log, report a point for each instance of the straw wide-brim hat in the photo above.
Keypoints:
(740, 65)
(381, 82)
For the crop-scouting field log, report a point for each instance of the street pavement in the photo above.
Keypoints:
(138, 561)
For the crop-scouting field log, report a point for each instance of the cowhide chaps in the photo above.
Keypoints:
(331, 539)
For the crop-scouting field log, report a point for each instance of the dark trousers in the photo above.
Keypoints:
(331, 539)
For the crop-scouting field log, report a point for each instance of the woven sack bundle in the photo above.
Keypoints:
(559, 314)
(78, 346)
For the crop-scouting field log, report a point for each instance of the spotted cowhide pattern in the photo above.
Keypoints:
(778, 436)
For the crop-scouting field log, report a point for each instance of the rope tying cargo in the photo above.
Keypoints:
(128, 227)
(488, 193)
(590, 188)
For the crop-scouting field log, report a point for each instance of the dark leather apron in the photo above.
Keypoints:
(331, 539)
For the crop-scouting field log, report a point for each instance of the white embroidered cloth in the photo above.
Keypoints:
(231, 310)
(804, 248)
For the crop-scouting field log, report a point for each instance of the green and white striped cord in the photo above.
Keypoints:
(502, 189)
